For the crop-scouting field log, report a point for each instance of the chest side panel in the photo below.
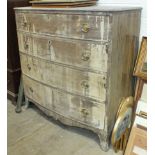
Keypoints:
(122, 54)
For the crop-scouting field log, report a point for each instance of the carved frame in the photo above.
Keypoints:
(140, 69)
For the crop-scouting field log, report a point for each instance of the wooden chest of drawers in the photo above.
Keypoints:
(77, 63)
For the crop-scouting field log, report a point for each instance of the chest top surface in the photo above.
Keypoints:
(98, 9)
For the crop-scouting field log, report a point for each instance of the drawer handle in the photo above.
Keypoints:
(29, 67)
(84, 111)
(85, 28)
(26, 46)
(24, 24)
(31, 89)
(85, 56)
(85, 84)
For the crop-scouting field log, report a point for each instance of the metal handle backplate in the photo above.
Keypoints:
(24, 24)
(85, 56)
(85, 28)
(31, 89)
(85, 84)
(26, 46)
(84, 111)
(29, 67)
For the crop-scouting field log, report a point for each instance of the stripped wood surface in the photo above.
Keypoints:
(88, 53)
(83, 83)
(102, 10)
(70, 106)
(122, 56)
(70, 26)
(83, 54)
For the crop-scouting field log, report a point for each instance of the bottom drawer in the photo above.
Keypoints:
(70, 106)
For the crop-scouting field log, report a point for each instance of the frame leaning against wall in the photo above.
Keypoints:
(140, 69)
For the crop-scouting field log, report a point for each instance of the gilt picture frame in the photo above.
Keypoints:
(140, 69)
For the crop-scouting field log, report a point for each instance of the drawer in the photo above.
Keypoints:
(75, 81)
(89, 27)
(77, 53)
(70, 106)
(37, 92)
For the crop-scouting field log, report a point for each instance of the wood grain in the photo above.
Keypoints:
(76, 92)
(122, 55)
(81, 54)
(59, 25)
(70, 106)
(79, 82)
(138, 138)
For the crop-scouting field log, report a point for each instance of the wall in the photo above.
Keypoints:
(141, 3)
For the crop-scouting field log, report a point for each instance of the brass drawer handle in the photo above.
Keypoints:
(85, 84)
(85, 56)
(24, 24)
(29, 67)
(85, 28)
(31, 89)
(26, 46)
(84, 111)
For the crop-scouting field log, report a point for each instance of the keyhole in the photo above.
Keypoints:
(49, 44)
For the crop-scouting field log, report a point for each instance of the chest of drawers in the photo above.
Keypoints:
(77, 63)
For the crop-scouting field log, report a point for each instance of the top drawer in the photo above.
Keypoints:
(71, 26)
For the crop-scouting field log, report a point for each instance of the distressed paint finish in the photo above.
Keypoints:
(79, 82)
(70, 26)
(83, 54)
(76, 92)
(122, 55)
(70, 106)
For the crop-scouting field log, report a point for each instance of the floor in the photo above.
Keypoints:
(32, 133)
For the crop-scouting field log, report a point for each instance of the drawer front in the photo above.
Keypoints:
(70, 106)
(70, 26)
(37, 92)
(79, 82)
(71, 52)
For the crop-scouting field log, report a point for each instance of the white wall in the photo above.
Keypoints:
(141, 3)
